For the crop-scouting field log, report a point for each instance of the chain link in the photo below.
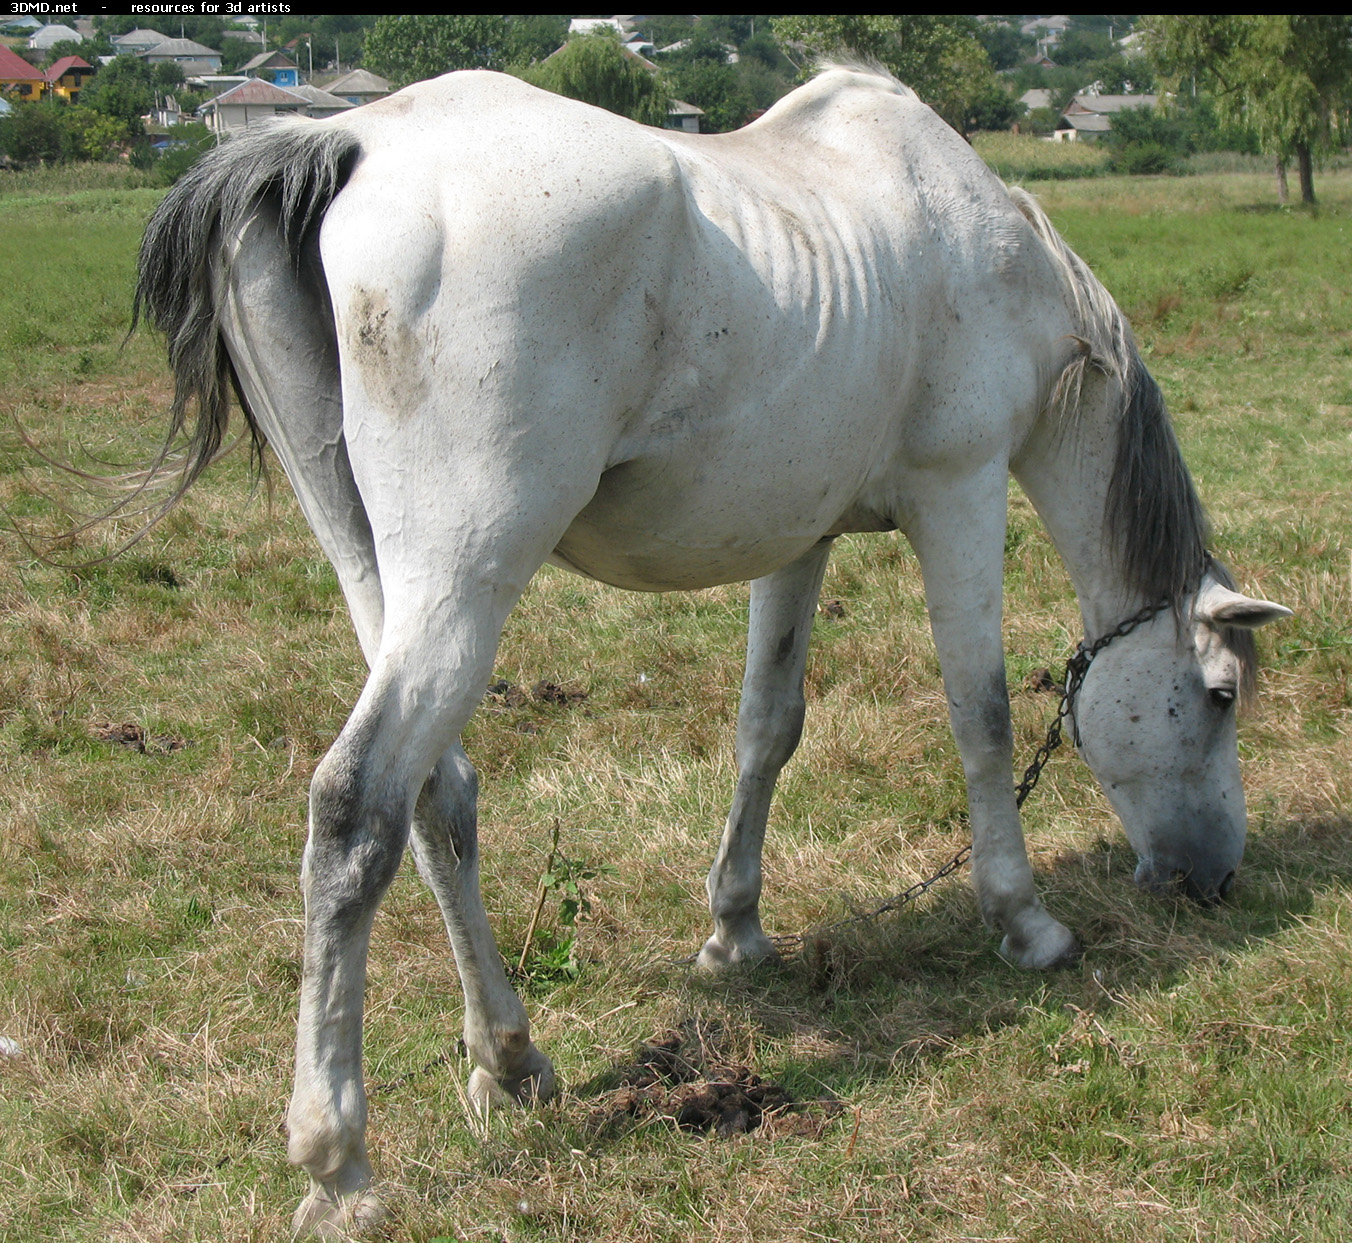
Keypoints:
(1076, 668)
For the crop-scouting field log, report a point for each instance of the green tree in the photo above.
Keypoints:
(54, 133)
(188, 142)
(411, 47)
(1005, 46)
(88, 50)
(715, 87)
(36, 133)
(938, 56)
(167, 75)
(597, 70)
(1079, 46)
(1144, 140)
(236, 52)
(93, 136)
(115, 23)
(667, 28)
(533, 36)
(123, 89)
(1287, 76)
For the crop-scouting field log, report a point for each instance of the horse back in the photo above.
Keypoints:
(742, 341)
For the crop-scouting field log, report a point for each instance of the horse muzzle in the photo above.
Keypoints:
(1205, 882)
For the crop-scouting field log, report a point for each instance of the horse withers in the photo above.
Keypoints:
(484, 327)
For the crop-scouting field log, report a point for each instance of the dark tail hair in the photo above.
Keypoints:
(300, 167)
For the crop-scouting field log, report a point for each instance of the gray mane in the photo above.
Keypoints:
(1153, 520)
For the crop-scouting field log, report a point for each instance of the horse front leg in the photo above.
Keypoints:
(769, 725)
(961, 552)
(508, 1067)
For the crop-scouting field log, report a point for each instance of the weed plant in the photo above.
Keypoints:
(161, 714)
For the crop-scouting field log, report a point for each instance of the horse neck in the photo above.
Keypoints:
(1067, 468)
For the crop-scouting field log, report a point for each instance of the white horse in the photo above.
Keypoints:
(484, 327)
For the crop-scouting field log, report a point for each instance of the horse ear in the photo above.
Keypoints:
(1222, 607)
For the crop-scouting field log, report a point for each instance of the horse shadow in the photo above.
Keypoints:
(893, 998)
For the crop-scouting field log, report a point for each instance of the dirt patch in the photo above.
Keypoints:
(503, 694)
(1041, 682)
(130, 735)
(546, 692)
(682, 1077)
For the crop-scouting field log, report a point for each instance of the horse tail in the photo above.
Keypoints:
(300, 167)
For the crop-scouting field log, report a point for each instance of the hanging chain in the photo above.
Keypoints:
(1076, 668)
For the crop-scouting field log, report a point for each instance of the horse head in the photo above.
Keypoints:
(1155, 721)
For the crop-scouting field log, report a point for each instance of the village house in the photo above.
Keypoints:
(19, 79)
(193, 58)
(1089, 117)
(67, 76)
(249, 102)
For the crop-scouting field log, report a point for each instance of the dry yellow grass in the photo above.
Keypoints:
(1187, 1080)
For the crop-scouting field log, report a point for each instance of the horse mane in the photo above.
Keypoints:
(867, 66)
(1154, 522)
(1153, 519)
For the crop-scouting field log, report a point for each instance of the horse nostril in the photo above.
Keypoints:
(1165, 881)
(1162, 881)
(1206, 897)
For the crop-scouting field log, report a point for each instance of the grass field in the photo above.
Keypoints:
(161, 714)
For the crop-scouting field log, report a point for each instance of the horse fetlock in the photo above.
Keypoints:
(730, 947)
(1038, 942)
(532, 1083)
(331, 1151)
(500, 1049)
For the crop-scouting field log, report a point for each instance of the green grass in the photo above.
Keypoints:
(1025, 157)
(1187, 1080)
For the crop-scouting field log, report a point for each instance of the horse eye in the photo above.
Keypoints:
(1222, 696)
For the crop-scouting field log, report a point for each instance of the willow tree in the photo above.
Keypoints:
(597, 70)
(1288, 77)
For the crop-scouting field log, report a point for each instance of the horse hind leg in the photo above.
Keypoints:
(508, 1067)
(362, 801)
(769, 725)
(272, 318)
(422, 689)
(377, 782)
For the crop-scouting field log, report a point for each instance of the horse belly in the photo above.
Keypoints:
(716, 508)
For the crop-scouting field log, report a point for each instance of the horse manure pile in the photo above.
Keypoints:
(130, 735)
(682, 1077)
(502, 693)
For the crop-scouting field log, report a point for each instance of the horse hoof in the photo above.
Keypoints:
(1053, 946)
(715, 956)
(534, 1086)
(325, 1215)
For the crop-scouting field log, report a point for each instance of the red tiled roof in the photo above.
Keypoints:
(65, 65)
(13, 68)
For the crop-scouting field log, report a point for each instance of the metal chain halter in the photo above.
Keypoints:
(1076, 668)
